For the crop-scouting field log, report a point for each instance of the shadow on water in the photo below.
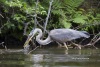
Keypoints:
(50, 57)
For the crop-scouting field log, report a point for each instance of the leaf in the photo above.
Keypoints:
(67, 25)
(80, 18)
(20, 27)
(0, 31)
(98, 15)
(64, 22)
(73, 3)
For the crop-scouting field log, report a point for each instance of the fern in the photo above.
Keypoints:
(57, 4)
(79, 18)
(58, 12)
(73, 3)
(67, 7)
(64, 22)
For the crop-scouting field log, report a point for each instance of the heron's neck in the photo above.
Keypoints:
(39, 40)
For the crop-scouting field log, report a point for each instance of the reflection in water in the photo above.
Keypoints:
(52, 57)
(37, 65)
(36, 58)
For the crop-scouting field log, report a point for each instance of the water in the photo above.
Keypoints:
(50, 57)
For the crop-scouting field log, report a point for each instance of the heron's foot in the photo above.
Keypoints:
(79, 46)
(59, 45)
(65, 46)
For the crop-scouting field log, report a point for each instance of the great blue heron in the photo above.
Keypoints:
(58, 35)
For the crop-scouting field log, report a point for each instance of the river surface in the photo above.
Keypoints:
(50, 57)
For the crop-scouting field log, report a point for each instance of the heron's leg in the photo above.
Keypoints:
(76, 45)
(65, 46)
(59, 44)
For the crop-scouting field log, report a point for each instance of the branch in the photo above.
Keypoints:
(35, 19)
(2, 44)
(41, 27)
(2, 27)
(1, 16)
(95, 39)
(48, 15)
(33, 50)
(25, 28)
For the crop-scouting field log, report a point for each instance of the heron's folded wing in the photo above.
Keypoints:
(63, 35)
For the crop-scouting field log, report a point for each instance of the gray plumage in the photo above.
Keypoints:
(64, 35)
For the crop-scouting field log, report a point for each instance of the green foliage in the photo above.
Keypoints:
(19, 17)
(14, 3)
(66, 11)
(63, 14)
(16, 12)
(73, 3)
(79, 18)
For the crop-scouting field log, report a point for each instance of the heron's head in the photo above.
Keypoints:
(30, 36)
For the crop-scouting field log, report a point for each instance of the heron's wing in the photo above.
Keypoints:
(64, 35)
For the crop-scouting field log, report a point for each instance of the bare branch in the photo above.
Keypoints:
(48, 16)
(33, 50)
(35, 19)
(25, 28)
(1, 15)
(93, 41)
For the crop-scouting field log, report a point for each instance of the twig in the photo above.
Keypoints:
(33, 49)
(40, 18)
(2, 44)
(96, 40)
(1, 16)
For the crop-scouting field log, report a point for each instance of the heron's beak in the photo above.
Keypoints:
(32, 33)
(28, 40)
